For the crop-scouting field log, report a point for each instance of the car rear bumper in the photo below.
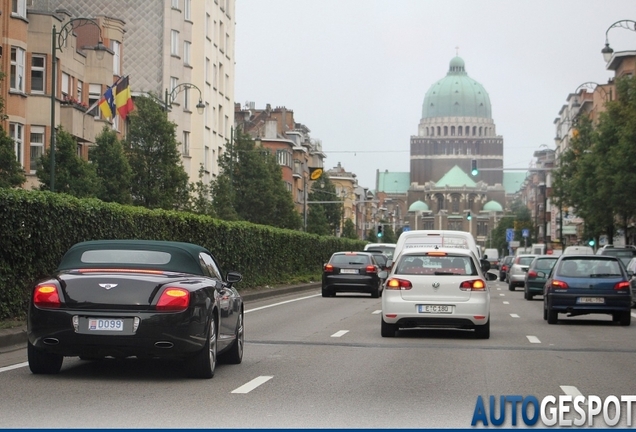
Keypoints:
(567, 303)
(535, 287)
(351, 283)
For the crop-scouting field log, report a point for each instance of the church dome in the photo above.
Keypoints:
(418, 205)
(493, 206)
(456, 95)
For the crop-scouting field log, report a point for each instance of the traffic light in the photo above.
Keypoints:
(469, 216)
(591, 242)
(379, 230)
(473, 167)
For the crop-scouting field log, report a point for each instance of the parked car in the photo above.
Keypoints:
(352, 272)
(150, 299)
(443, 287)
(631, 270)
(625, 254)
(588, 284)
(517, 271)
(504, 265)
(537, 273)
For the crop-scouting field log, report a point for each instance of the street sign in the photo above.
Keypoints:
(514, 244)
(510, 234)
(525, 232)
(406, 228)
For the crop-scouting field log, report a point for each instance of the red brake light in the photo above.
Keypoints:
(473, 285)
(371, 269)
(328, 268)
(621, 285)
(174, 299)
(559, 284)
(398, 284)
(504, 268)
(46, 296)
(436, 254)
(532, 273)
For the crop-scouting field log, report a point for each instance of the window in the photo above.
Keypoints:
(221, 74)
(17, 69)
(185, 151)
(174, 43)
(66, 80)
(455, 224)
(207, 26)
(186, 53)
(80, 88)
(221, 36)
(187, 10)
(214, 76)
(116, 47)
(174, 82)
(37, 146)
(94, 95)
(227, 44)
(206, 157)
(38, 67)
(455, 203)
(175, 4)
(18, 7)
(186, 99)
(16, 131)
(284, 158)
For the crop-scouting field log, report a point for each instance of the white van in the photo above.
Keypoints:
(492, 255)
(386, 248)
(436, 238)
(578, 250)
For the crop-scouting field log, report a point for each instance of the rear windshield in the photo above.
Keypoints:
(350, 259)
(122, 256)
(386, 250)
(526, 260)
(586, 268)
(545, 264)
(436, 265)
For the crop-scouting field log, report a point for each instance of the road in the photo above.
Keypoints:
(321, 362)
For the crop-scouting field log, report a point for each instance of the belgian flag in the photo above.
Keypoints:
(123, 99)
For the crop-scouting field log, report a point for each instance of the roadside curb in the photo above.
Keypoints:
(16, 338)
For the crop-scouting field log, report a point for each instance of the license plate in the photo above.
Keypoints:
(105, 324)
(591, 300)
(443, 309)
(348, 271)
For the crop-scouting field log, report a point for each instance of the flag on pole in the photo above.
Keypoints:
(107, 103)
(123, 99)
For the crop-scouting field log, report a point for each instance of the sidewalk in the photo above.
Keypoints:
(15, 338)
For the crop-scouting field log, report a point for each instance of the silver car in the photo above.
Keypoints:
(518, 269)
(443, 287)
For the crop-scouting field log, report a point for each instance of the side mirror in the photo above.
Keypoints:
(389, 263)
(233, 277)
(485, 265)
(491, 276)
(541, 274)
(383, 274)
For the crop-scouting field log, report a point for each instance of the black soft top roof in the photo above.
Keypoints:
(184, 257)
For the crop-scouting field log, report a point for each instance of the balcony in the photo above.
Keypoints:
(77, 122)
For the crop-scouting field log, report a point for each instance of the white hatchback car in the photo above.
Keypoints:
(443, 287)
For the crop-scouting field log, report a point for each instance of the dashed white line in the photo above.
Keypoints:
(533, 339)
(282, 303)
(379, 311)
(506, 302)
(15, 366)
(340, 333)
(248, 387)
(634, 314)
(514, 315)
(502, 295)
(571, 390)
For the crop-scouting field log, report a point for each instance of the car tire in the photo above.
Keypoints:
(41, 362)
(626, 318)
(327, 293)
(203, 364)
(388, 330)
(235, 354)
(545, 313)
(375, 292)
(511, 286)
(502, 278)
(526, 294)
(483, 331)
(553, 316)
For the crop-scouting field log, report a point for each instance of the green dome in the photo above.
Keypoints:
(418, 206)
(493, 206)
(456, 95)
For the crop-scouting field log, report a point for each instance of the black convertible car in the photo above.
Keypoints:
(143, 298)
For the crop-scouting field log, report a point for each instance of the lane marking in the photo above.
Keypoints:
(506, 302)
(498, 289)
(248, 387)
(503, 295)
(379, 311)
(282, 303)
(514, 315)
(634, 314)
(571, 390)
(533, 339)
(15, 366)
(340, 333)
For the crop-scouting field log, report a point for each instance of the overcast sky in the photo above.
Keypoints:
(355, 72)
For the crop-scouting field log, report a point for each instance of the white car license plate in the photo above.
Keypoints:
(443, 309)
(591, 300)
(348, 271)
(105, 324)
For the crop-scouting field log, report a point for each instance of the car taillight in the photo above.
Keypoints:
(621, 285)
(371, 269)
(174, 299)
(46, 296)
(398, 284)
(473, 285)
(504, 268)
(328, 268)
(532, 273)
(557, 284)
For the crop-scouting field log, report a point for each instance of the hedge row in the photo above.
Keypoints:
(37, 228)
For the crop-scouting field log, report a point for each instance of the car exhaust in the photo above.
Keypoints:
(51, 341)
(164, 344)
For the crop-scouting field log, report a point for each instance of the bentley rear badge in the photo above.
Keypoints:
(108, 286)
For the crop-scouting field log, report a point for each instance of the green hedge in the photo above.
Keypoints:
(37, 228)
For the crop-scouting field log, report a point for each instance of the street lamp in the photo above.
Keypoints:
(58, 40)
(172, 96)
(607, 51)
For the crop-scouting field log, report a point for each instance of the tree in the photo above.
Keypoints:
(200, 195)
(11, 172)
(158, 177)
(317, 222)
(73, 175)
(112, 168)
(349, 230)
(324, 190)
